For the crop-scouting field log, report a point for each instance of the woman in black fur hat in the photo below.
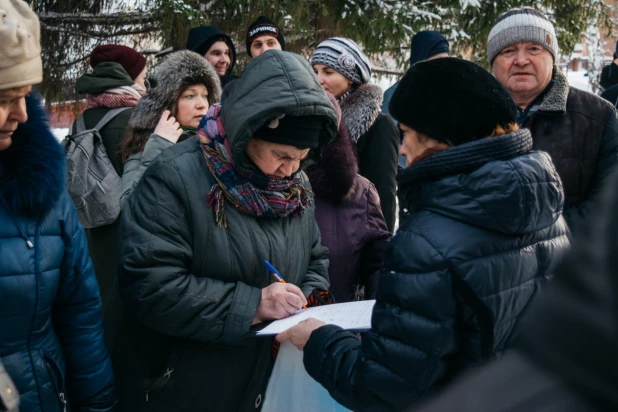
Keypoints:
(186, 86)
(478, 248)
(345, 71)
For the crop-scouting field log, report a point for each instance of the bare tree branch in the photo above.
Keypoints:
(109, 19)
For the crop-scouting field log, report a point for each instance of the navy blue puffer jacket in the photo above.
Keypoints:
(51, 339)
(486, 229)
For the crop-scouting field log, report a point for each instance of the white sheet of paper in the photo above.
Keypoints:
(351, 315)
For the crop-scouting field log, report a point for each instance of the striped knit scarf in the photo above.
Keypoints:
(248, 192)
(125, 96)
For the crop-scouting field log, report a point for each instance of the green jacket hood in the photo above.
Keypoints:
(104, 76)
(274, 83)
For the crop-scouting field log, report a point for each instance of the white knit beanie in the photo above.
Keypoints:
(20, 45)
(523, 24)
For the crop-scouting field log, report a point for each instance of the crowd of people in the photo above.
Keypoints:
(495, 292)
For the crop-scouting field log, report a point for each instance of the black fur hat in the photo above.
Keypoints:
(452, 100)
(178, 71)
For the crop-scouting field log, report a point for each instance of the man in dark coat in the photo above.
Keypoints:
(578, 129)
(458, 274)
(193, 243)
(426, 45)
(609, 74)
(117, 80)
(51, 339)
(567, 357)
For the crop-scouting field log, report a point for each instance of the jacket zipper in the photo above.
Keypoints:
(63, 400)
(55, 370)
(19, 228)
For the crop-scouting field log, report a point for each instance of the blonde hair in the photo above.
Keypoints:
(504, 129)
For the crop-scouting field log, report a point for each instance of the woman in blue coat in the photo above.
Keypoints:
(51, 339)
(485, 230)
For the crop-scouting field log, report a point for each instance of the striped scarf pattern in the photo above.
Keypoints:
(111, 100)
(248, 192)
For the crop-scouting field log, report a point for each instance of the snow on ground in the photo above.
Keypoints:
(60, 133)
(579, 80)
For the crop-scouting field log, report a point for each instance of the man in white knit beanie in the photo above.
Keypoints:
(578, 129)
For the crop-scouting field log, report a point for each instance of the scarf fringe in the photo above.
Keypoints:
(256, 195)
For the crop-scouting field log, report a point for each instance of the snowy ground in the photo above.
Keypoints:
(579, 80)
(60, 133)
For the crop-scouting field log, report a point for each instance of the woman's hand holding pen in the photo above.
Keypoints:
(279, 300)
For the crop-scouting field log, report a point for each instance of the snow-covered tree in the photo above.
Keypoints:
(595, 57)
(72, 28)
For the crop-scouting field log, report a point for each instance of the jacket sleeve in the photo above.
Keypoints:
(412, 336)
(374, 237)
(606, 163)
(381, 166)
(155, 280)
(317, 272)
(77, 321)
(135, 167)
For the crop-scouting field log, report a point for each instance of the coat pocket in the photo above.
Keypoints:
(156, 387)
(56, 375)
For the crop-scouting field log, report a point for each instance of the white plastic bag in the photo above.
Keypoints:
(290, 387)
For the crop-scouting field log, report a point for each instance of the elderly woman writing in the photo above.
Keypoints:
(196, 230)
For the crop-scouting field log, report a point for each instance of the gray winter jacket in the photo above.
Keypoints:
(137, 163)
(192, 286)
(177, 72)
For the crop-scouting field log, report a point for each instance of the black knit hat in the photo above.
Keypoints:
(299, 131)
(264, 26)
(451, 100)
(426, 44)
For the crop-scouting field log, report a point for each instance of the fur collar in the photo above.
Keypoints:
(333, 176)
(361, 109)
(556, 99)
(33, 166)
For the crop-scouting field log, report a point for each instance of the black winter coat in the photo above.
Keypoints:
(580, 132)
(568, 350)
(51, 339)
(377, 144)
(103, 240)
(609, 76)
(455, 278)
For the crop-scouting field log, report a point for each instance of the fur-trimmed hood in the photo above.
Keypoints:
(332, 177)
(178, 71)
(361, 109)
(32, 169)
(555, 101)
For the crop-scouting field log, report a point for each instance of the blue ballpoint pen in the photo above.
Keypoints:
(276, 273)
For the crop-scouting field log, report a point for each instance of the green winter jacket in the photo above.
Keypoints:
(194, 287)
